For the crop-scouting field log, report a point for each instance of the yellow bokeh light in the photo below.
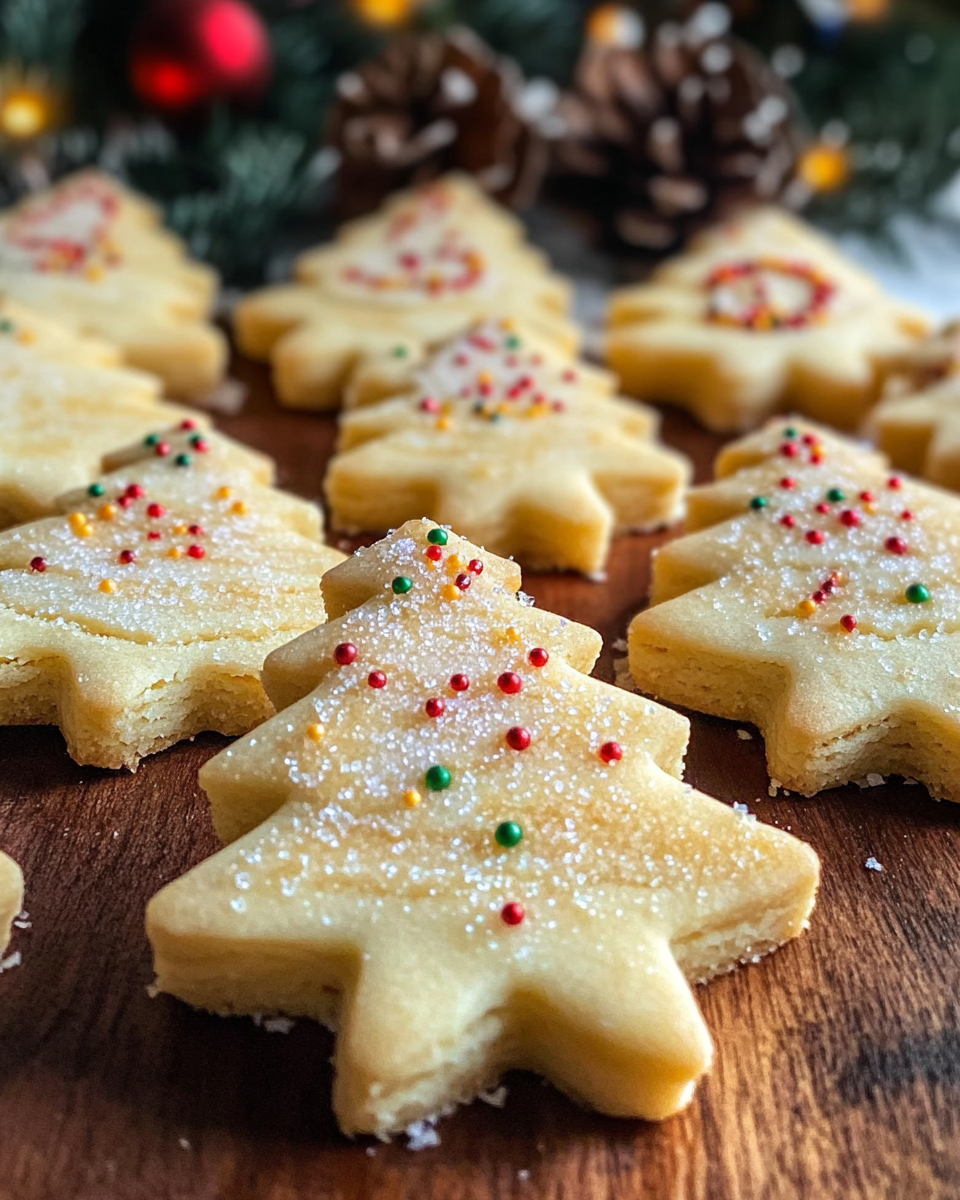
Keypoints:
(384, 12)
(24, 114)
(825, 168)
(614, 25)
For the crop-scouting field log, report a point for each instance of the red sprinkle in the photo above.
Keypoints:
(867, 497)
(153, 536)
(156, 511)
(345, 653)
(196, 530)
(611, 752)
(823, 508)
(188, 424)
(518, 738)
(377, 679)
(162, 449)
(38, 564)
(849, 622)
(126, 556)
(429, 405)
(809, 439)
(906, 515)
(512, 913)
(538, 657)
(849, 517)
(475, 566)
(815, 537)
(895, 482)
(434, 553)
(434, 707)
(201, 445)
(136, 491)
(818, 596)
(896, 545)
(463, 581)
(788, 520)
(459, 683)
(196, 551)
(510, 682)
(816, 458)
(787, 482)
(789, 450)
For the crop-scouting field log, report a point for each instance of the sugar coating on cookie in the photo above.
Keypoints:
(65, 404)
(471, 854)
(95, 256)
(760, 314)
(427, 266)
(816, 596)
(142, 615)
(521, 447)
(917, 424)
(11, 897)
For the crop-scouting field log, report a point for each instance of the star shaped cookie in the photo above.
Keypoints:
(470, 854)
(520, 446)
(761, 314)
(62, 409)
(426, 267)
(816, 596)
(144, 613)
(917, 424)
(11, 897)
(94, 256)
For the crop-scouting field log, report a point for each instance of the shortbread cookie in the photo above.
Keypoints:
(523, 448)
(818, 597)
(25, 327)
(60, 413)
(761, 314)
(143, 615)
(425, 268)
(471, 854)
(11, 897)
(917, 424)
(93, 255)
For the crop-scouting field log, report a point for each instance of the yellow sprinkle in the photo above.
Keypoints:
(93, 272)
(805, 608)
(239, 508)
(508, 324)
(107, 512)
(174, 552)
(454, 564)
(108, 586)
(79, 524)
(513, 634)
(444, 423)
(450, 591)
(26, 337)
(870, 508)
(315, 732)
(411, 798)
(484, 378)
(180, 528)
(224, 493)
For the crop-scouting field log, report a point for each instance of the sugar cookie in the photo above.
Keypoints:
(760, 314)
(93, 255)
(520, 446)
(816, 596)
(11, 897)
(423, 269)
(477, 855)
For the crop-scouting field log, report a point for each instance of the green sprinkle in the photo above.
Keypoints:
(917, 593)
(399, 352)
(790, 432)
(96, 489)
(152, 439)
(835, 495)
(197, 439)
(183, 460)
(6, 325)
(508, 834)
(759, 502)
(401, 585)
(512, 342)
(437, 779)
(438, 537)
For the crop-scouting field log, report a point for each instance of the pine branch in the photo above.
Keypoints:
(40, 32)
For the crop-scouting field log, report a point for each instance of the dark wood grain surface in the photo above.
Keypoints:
(838, 1059)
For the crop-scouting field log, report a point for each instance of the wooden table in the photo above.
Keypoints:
(838, 1064)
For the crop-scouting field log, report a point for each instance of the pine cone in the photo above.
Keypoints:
(681, 131)
(435, 103)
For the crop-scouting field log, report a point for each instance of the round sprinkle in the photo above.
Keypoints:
(96, 489)
(906, 515)
(240, 508)
(848, 622)
(438, 537)
(156, 511)
(126, 556)
(895, 483)
(512, 913)
(790, 432)
(136, 491)
(518, 738)
(896, 545)
(200, 444)
(377, 679)
(789, 450)
(849, 518)
(401, 585)
(430, 405)
(161, 449)
(835, 495)
(152, 439)
(510, 682)
(450, 591)
(508, 834)
(315, 732)
(538, 657)
(788, 520)
(183, 460)
(107, 586)
(788, 482)
(188, 424)
(917, 593)
(462, 581)
(434, 707)
(224, 493)
(196, 530)
(459, 683)
(196, 551)
(411, 797)
(38, 564)
(822, 508)
(434, 553)
(611, 752)
(345, 654)
(759, 502)
(399, 352)
(475, 566)
(174, 552)
(805, 608)
(815, 537)
(867, 497)
(437, 778)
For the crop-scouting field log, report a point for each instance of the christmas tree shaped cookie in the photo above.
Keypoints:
(816, 596)
(62, 407)
(518, 445)
(425, 268)
(917, 424)
(93, 255)
(143, 614)
(476, 854)
(759, 315)
(11, 897)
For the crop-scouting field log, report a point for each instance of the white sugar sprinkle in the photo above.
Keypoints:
(872, 865)
(422, 1136)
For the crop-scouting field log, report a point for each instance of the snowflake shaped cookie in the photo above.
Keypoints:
(761, 314)
(475, 854)
(524, 449)
(94, 256)
(816, 596)
(424, 269)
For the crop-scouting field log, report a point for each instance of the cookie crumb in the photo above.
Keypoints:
(422, 1136)
(11, 961)
(184, 1144)
(744, 735)
(497, 1097)
(278, 1024)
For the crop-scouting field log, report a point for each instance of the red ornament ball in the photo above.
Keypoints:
(191, 52)
(345, 654)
